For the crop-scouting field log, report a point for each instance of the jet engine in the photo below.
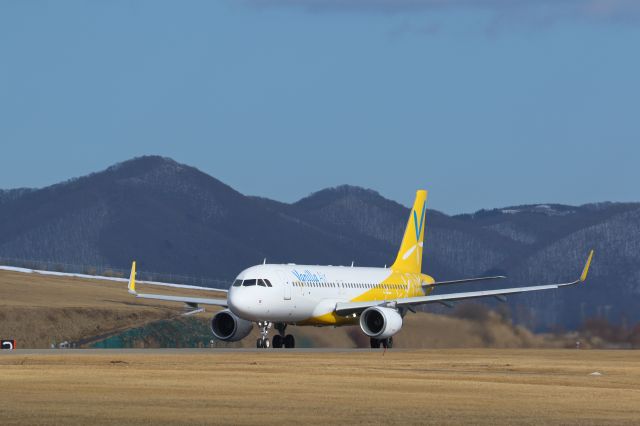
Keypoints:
(380, 323)
(225, 325)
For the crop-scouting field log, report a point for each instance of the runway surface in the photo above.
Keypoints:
(186, 351)
(329, 386)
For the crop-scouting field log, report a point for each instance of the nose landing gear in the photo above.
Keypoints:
(263, 340)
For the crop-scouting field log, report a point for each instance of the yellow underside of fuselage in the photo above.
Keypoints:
(389, 289)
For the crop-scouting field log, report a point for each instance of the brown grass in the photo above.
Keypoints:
(416, 387)
(38, 310)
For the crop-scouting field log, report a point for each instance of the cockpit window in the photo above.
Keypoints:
(248, 283)
(268, 283)
(237, 283)
(261, 283)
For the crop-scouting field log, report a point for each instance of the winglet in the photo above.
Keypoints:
(132, 279)
(585, 271)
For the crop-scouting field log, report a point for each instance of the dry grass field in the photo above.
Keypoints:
(471, 386)
(37, 310)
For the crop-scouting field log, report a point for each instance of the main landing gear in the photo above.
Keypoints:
(279, 340)
(386, 343)
(287, 341)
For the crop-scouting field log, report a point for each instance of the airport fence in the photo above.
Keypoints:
(110, 271)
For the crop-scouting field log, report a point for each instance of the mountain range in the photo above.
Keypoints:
(176, 219)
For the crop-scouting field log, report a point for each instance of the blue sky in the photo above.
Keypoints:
(486, 103)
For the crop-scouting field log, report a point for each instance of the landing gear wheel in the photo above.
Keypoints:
(263, 341)
(375, 343)
(289, 341)
(277, 341)
(389, 342)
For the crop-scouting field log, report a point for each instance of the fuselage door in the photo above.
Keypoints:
(286, 284)
(287, 290)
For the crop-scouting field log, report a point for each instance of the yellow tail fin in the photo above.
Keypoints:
(409, 257)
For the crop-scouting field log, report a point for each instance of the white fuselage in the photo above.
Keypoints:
(308, 294)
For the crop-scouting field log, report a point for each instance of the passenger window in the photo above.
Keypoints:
(237, 283)
(248, 283)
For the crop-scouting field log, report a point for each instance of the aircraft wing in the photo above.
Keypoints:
(466, 280)
(349, 308)
(104, 278)
(193, 301)
(187, 300)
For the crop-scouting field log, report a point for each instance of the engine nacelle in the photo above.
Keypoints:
(380, 323)
(225, 325)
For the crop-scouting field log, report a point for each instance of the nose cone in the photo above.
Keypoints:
(242, 302)
(233, 299)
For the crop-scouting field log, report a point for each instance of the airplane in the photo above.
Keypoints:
(376, 299)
